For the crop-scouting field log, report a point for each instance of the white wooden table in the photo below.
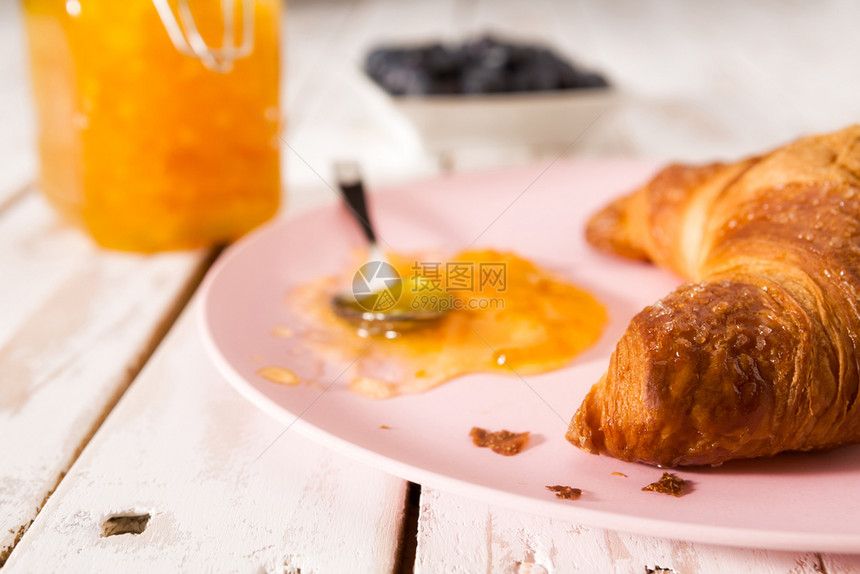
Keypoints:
(109, 405)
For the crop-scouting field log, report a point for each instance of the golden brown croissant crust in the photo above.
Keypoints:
(760, 353)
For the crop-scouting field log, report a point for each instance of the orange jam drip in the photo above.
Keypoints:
(528, 321)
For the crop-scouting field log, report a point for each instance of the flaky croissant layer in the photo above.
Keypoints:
(760, 354)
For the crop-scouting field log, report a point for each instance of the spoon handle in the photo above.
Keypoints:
(352, 189)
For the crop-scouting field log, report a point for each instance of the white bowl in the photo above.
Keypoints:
(515, 119)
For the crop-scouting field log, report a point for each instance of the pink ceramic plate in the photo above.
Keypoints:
(788, 502)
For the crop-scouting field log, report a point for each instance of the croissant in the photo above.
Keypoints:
(760, 352)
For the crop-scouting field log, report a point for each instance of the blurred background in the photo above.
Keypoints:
(693, 81)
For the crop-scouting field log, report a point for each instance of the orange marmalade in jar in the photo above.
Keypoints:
(158, 119)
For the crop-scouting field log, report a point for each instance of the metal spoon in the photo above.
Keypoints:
(375, 303)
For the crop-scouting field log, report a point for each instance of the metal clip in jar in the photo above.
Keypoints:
(187, 38)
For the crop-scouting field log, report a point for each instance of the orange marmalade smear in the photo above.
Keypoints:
(515, 319)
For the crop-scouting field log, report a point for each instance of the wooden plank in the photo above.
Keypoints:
(77, 323)
(67, 368)
(841, 563)
(456, 535)
(183, 447)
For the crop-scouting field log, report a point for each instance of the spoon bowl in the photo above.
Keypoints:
(390, 324)
(361, 307)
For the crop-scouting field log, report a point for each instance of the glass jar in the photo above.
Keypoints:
(144, 146)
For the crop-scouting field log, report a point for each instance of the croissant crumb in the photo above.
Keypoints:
(502, 442)
(565, 492)
(668, 484)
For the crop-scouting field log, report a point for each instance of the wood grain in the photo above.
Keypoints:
(183, 447)
(459, 535)
(77, 324)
